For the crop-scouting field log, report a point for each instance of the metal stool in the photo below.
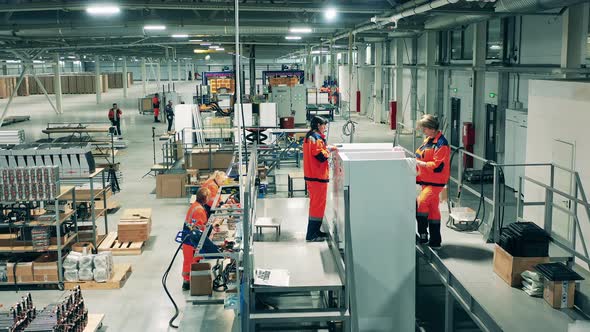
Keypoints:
(268, 222)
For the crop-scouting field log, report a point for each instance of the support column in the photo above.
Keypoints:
(169, 67)
(574, 37)
(479, 112)
(144, 76)
(57, 84)
(158, 76)
(98, 81)
(252, 67)
(125, 80)
(378, 86)
(399, 79)
(364, 80)
(414, 88)
(179, 78)
(431, 74)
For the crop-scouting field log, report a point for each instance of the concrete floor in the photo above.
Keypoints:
(141, 305)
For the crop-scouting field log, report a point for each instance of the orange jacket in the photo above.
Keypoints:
(196, 216)
(436, 153)
(315, 158)
(213, 189)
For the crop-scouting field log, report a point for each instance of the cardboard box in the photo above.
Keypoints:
(24, 272)
(201, 281)
(509, 268)
(559, 294)
(45, 269)
(171, 185)
(85, 248)
(135, 225)
(219, 159)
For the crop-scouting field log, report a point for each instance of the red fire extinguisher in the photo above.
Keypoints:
(468, 142)
(393, 115)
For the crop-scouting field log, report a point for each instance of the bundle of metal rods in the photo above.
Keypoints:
(19, 316)
(70, 315)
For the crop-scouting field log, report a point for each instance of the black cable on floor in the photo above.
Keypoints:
(164, 279)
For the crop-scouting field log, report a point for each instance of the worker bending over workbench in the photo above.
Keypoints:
(213, 183)
(433, 166)
(316, 172)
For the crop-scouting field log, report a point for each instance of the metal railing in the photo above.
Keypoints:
(574, 199)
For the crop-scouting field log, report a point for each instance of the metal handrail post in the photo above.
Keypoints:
(495, 224)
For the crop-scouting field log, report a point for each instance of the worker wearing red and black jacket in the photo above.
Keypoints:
(434, 169)
(317, 175)
(115, 118)
(156, 106)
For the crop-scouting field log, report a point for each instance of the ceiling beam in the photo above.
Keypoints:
(183, 5)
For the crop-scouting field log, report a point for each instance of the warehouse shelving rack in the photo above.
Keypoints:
(67, 193)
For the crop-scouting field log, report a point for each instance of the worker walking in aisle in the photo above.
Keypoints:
(196, 218)
(156, 106)
(115, 118)
(169, 112)
(317, 174)
(215, 181)
(433, 166)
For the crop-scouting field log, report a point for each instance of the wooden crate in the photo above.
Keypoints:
(120, 276)
(135, 225)
(509, 268)
(111, 243)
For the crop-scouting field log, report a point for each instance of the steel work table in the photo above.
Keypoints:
(311, 266)
(464, 265)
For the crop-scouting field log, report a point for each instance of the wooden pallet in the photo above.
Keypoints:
(94, 322)
(110, 243)
(120, 276)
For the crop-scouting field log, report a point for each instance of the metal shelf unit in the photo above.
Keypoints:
(67, 194)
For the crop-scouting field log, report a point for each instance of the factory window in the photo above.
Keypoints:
(368, 53)
(456, 44)
(355, 57)
(495, 43)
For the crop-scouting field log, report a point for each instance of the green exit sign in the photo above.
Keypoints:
(455, 90)
(492, 95)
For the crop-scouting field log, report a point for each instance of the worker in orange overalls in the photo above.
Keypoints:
(196, 217)
(433, 166)
(316, 173)
(156, 105)
(215, 181)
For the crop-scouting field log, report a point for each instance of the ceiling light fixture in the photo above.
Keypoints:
(154, 27)
(198, 51)
(214, 46)
(195, 40)
(330, 13)
(292, 37)
(205, 44)
(220, 49)
(179, 35)
(300, 30)
(103, 10)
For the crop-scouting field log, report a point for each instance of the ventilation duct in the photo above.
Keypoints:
(447, 21)
(515, 6)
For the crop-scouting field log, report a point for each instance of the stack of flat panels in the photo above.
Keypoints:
(525, 239)
(12, 136)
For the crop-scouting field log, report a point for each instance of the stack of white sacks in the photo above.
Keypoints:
(88, 267)
(532, 283)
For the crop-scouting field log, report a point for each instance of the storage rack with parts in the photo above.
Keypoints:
(56, 219)
(91, 197)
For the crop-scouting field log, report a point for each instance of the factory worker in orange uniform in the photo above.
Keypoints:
(433, 166)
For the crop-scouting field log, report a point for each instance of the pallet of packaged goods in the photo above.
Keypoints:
(121, 273)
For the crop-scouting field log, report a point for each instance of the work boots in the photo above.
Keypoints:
(422, 229)
(435, 237)
(313, 231)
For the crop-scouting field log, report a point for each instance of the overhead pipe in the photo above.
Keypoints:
(414, 11)
(513, 6)
(443, 22)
